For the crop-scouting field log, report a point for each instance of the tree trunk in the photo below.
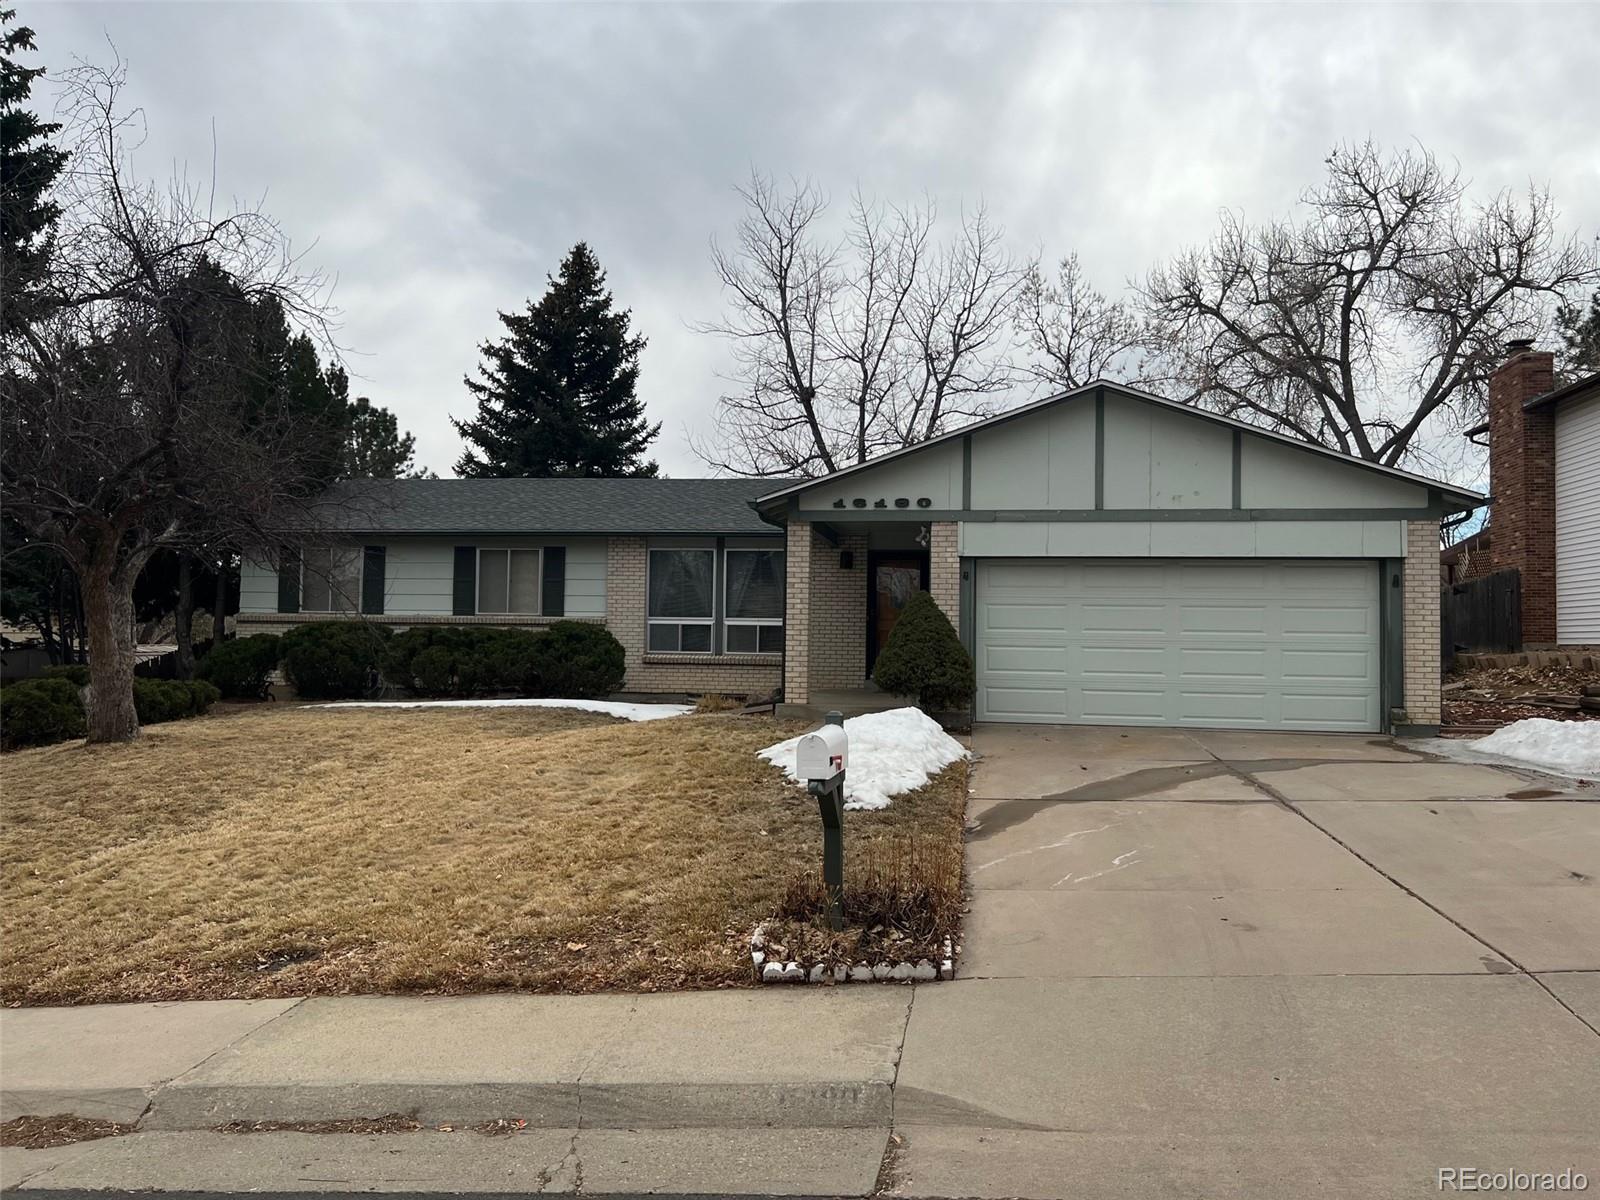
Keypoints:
(108, 612)
(183, 617)
(219, 611)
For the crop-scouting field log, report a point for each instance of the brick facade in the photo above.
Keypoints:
(944, 568)
(1420, 623)
(838, 612)
(627, 567)
(1522, 447)
(797, 613)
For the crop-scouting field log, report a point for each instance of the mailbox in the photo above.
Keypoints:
(820, 759)
(823, 754)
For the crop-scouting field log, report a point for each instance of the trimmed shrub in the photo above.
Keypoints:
(334, 660)
(925, 659)
(240, 668)
(451, 660)
(158, 700)
(577, 660)
(76, 673)
(36, 712)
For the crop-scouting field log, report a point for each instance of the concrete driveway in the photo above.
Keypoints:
(1235, 963)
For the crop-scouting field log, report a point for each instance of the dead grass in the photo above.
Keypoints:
(286, 851)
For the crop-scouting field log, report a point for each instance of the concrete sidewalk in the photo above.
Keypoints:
(817, 1058)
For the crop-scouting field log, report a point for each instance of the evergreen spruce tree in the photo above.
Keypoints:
(29, 165)
(1579, 331)
(556, 394)
(374, 447)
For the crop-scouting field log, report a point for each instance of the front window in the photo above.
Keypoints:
(508, 582)
(682, 612)
(330, 579)
(754, 621)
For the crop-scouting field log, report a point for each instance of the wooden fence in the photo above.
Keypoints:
(1481, 614)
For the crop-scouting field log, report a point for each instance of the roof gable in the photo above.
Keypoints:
(1081, 439)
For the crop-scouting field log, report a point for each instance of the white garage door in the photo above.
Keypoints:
(1254, 644)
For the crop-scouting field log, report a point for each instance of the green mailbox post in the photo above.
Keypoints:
(820, 759)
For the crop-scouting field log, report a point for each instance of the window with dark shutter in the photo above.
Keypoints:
(554, 601)
(464, 588)
(373, 561)
(288, 580)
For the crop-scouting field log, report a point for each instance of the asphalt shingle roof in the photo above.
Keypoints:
(547, 506)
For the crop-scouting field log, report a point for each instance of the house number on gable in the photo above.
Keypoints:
(881, 502)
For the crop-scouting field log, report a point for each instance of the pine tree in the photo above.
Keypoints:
(1579, 331)
(556, 394)
(28, 169)
(375, 447)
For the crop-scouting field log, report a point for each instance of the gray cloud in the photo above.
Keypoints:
(443, 157)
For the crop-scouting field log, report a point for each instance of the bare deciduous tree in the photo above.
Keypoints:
(1383, 308)
(1076, 333)
(133, 414)
(847, 347)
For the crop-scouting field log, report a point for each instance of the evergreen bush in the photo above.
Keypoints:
(335, 660)
(240, 669)
(578, 660)
(36, 712)
(925, 659)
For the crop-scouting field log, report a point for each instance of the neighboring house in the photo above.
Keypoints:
(1107, 556)
(1544, 479)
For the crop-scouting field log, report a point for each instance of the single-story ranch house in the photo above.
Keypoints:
(1109, 557)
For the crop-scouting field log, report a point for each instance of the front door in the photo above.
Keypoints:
(895, 577)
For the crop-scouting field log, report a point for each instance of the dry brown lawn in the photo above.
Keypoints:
(290, 851)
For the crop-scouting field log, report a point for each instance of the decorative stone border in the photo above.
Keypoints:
(922, 971)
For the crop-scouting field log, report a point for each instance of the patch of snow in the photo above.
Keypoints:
(890, 753)
(611, 708)
(1562, 747)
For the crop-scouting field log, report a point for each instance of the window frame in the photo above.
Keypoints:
(709, 621)
(477, 581)
(354, 609)
(718, 622)
(757, 623)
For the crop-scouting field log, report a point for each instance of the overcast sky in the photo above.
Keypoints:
(443, 157)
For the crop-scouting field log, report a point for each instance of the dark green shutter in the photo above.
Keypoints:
(553, 600)
(464, 592)
(288, 580)
(373, 560)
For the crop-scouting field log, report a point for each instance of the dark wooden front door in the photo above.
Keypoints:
(894, 578)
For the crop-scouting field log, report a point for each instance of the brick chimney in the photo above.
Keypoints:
(1522, 450)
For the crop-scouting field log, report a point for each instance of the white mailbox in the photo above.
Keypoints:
(822, 754)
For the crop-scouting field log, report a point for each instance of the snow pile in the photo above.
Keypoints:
(890, 752)
(1569, 747)
(611, 708)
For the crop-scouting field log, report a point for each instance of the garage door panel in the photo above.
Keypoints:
(1256, 644)
(1212, 618)
(1024, 704)
(1027, 660)
(1326, 710)
(1196, 577)
(1222, 708)
(1122, 618)
(1223, 662)
(1113, 705)
(1344, 666)
(1101, 661)
(1306, 620)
